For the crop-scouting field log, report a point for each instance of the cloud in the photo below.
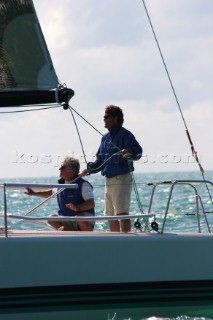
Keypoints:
(106, 52)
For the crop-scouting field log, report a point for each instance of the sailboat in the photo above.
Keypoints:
(43, 269)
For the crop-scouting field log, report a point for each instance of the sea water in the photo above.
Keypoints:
(181, 218)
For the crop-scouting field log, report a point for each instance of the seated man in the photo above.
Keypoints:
(71, 202)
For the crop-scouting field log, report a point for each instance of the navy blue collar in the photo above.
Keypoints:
(113, 130)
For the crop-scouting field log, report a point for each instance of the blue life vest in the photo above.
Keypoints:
(74, 196)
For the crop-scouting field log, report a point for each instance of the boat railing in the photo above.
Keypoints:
(60, 187)
(42, 220)
(20, 186)
(198, 199)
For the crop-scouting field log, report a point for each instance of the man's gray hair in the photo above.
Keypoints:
(72, 163)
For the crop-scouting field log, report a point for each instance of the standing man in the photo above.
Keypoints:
(114, 159)
(71, 202)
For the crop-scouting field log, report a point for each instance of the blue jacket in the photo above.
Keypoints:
(108, 159)
(74, 196)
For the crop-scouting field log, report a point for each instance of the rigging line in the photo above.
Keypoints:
(134, 185)
(132, 175)
(164, 63)
(137, 196)
(135, 188)
(194, 153)
(146, 221)
(78, 134)
(105, 161)
(86, 121)
(28, 110)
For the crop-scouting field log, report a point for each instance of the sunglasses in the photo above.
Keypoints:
(64, 167)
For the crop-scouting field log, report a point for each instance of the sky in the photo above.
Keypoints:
(106, 52)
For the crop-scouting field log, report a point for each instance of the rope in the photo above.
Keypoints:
(136, 193)
(28, 110)
(78, 134)
(103, 163)
(81, 143)
(85, 120)
(194, 153)
(108, 159)
(138, 198)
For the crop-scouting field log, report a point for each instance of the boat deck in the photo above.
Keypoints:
(62, 234)
(46, 233)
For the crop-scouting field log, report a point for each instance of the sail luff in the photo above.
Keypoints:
(44, 47)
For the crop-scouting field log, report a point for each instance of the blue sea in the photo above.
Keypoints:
(181, 218)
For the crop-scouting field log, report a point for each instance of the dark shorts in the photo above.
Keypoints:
(72, 225)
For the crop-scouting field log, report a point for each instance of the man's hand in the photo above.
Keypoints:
(29, 192)
(125, 153)
(83, 173)
(72, 206)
